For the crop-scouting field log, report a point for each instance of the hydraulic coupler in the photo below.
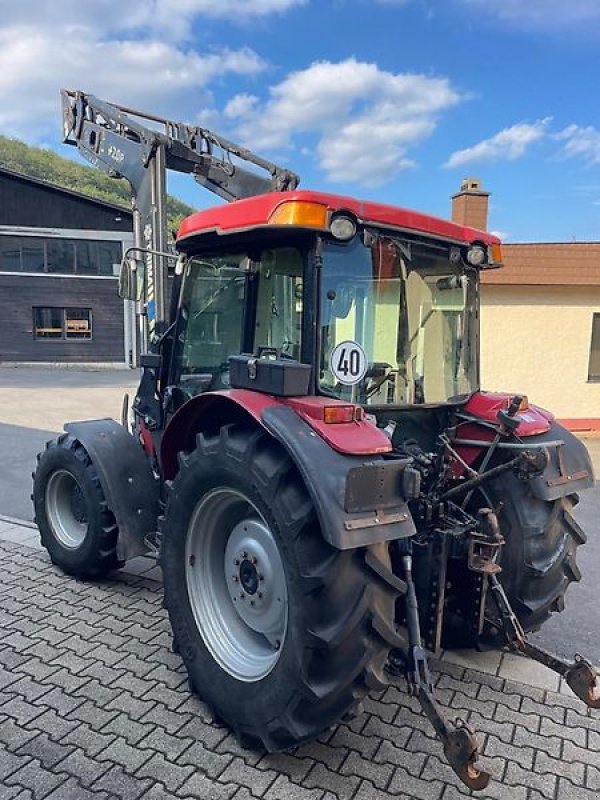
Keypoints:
(459, 741)
(580, 674)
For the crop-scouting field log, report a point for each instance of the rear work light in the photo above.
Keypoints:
(489, 257)
(301, 213)
(337, 414)
(476, 255)
(342, 227)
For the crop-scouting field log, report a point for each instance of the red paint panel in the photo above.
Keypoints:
(229, 405)
(486, 405)
(255, 212)
(352, 438)
(145, 438)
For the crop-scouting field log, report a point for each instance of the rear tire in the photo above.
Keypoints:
(76, 526)
(539, 558)
(276, 677)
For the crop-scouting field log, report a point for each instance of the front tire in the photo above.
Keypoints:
(281, 667)
(76, 526)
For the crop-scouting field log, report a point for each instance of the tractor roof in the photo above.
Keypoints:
(259, 212)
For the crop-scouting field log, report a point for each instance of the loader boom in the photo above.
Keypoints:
(140, 147)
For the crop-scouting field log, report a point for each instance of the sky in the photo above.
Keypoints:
(389, 100)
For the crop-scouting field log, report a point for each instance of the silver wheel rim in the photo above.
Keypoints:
(236, 584)
(61, 500)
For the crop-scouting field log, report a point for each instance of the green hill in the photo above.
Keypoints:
(46, 165)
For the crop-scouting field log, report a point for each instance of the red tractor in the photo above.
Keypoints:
(328, 491)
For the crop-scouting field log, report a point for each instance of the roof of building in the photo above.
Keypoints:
(548, 264)
(256, 212)
(11, 173)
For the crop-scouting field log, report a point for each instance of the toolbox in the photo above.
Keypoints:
(269, 373)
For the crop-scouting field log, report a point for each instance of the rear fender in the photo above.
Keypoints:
(211, 410)
(127, 480)
(205, 412)
(358, 498)
(569, 467)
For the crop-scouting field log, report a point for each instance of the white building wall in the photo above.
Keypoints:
(536, 340)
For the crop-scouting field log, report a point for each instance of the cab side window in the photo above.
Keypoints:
(279, 302)
(219, 294)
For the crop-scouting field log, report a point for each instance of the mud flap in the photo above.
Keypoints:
(569, 468)
(129, 485)
(359, 499)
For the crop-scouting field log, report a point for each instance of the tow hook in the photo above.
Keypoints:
(459, 742)
(581, 675)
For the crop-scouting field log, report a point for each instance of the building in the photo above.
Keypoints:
(540, 319)
(59, 257)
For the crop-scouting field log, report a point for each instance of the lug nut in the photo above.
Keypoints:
(254, 560)
(244, 554)
(235, 579)
(236, 562)
(192, 560)
(260, 595)
(242, 596)
(261, 577)
(251, 602)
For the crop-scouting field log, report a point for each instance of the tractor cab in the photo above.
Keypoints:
(381, 303)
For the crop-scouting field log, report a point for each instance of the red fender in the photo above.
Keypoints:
(485, 406)
(211, 410)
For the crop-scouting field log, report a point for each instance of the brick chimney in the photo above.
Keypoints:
(470, 205)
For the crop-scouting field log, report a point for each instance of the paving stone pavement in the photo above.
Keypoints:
(94, 704)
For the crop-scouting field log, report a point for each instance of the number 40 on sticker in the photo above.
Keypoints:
(348, 363)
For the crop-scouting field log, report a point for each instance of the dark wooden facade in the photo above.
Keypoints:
(29, 206)
(20, 294)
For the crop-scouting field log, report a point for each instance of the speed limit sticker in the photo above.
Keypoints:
(348, 363)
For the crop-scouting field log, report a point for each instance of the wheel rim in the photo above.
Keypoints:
(236, 584)
(65, 506)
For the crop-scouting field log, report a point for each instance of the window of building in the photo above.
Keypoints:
(60, 256)
(32, 255)
(62, 323)
(57, 255)
(10, 254)
(594, 365)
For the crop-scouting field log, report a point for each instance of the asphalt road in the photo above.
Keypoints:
(34, 404)
(18, 448)
(45, 398)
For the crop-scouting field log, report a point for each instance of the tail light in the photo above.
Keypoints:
(336, 414)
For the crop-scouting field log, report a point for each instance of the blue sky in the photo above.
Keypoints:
(393, 100)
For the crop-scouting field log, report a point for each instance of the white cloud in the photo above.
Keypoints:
(541, 14)
(147, 74)
(172, 18)
(584, 142)
(364, 118)
(506, 145)
(134, 52)
(241, 105)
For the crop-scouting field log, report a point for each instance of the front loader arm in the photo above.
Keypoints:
(140, 147)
